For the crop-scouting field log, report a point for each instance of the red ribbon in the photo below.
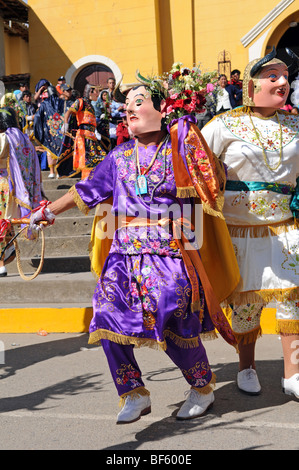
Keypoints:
(4, 226)
(42, 206)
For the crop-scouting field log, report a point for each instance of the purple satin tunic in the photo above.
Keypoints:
(144, 293)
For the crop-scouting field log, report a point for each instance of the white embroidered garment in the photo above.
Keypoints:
(263, 232)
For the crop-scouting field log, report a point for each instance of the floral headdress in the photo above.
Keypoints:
(187, 90)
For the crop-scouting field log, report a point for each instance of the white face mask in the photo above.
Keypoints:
(269, 88)
(141, 114)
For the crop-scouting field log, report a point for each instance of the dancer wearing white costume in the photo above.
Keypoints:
(259, 144)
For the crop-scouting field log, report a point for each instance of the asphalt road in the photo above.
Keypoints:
(56, 393)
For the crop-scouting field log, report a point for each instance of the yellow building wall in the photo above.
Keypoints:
(220, 25)
(63, 32)
(146, 34)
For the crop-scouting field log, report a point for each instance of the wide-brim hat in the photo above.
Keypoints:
(66, 87)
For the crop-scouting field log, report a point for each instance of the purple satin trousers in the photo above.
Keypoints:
(127, 376)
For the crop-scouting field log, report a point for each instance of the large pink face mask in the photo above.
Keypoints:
(141, 115)
(269, 88)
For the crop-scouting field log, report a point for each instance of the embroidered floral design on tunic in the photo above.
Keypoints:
(246, 317)
(146, 290)
(28, 172)
(126, 166)
(270, 138)
(258, 203)
(134, 241)
(288, 310)
(55, 123)
(108, 288)
(197, 158)
(291, 258)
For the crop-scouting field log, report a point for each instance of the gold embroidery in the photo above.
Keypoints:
(81, 205)
(184, 293)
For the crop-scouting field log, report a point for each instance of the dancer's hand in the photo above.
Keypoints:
(41, 213)
(64, 128)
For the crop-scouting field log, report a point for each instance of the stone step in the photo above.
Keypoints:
(54, 194)
(48, 288)
(63, 184)
(73, 212)
(56, 246)
(66, 226)
(52, 264)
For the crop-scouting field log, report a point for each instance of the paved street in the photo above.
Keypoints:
(56, 393)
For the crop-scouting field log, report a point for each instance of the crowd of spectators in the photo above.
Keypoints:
(111, 123)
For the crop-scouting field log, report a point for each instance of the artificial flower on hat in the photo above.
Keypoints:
(187, 90)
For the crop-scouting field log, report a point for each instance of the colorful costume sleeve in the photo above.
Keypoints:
(99, 190)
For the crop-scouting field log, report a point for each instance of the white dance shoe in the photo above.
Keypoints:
(291, 386)
(248, 382)
(195, 405)
(3, 271)
(134, 408)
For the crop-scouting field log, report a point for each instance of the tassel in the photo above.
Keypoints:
(267, 295)
(186, 192)
(184, 343)
(96, 336)
(77, 199)
(287, 327)
(135, 394)
(208, 336)
(262, 231)
(249, 336)
(207, 388)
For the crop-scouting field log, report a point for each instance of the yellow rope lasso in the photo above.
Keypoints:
(18, 256)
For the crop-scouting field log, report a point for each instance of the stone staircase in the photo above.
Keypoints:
(59, 299)
(65, 279)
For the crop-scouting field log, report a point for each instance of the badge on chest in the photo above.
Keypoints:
(141, 185)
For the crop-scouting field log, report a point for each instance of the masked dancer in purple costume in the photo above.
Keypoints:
(149, 293)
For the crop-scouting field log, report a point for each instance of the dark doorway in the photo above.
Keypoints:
(290, 39)
(94, 74)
